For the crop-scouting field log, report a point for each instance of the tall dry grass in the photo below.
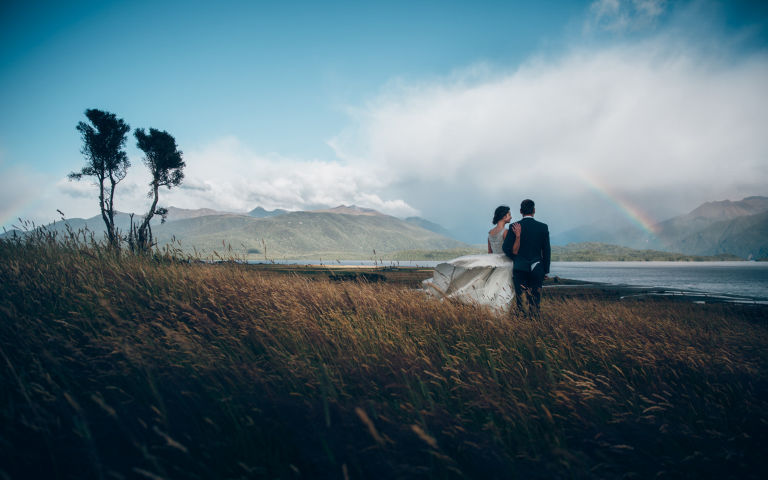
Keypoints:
(116, 366)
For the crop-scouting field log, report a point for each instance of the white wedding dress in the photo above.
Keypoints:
(481, 279)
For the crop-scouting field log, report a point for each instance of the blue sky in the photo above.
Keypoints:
(438, 109)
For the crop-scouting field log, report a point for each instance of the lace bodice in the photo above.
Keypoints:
(496, 241)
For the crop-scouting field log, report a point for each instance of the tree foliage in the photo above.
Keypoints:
(166, 165)
(103, 142)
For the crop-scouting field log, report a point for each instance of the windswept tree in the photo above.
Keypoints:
(103, 142)
(165, 163)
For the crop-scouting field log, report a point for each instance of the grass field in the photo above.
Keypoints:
(116, 366)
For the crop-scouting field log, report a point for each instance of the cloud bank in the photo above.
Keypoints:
(225, 175)
(641, 119)
(232, 177)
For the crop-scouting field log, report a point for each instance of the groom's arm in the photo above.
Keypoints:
(546, 250)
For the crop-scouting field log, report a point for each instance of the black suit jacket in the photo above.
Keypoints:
(534, 245)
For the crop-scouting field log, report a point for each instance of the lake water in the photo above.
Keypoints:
(736, 280)
(730, 280)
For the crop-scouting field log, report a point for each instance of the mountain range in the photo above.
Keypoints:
(344, 232)
(723, 227)
(714, 228)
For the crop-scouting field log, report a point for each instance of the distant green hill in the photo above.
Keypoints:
(574, 252)
(262, 213)
(603, 252)
(344, 232)
(434, 255)
(297, 235)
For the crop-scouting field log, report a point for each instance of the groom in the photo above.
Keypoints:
(531, 263)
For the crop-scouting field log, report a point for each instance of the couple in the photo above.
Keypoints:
(526, 242)
(489, 279)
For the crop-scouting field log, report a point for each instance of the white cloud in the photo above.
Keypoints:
(624, 15)
(651, 9)
(77, 189)
(225, 175)
(642, 119)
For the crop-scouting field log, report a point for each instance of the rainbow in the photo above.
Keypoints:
(630, 211)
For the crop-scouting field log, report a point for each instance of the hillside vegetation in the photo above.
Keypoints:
(356, 235)
(575, 252)
(593, 251)
(118, 366)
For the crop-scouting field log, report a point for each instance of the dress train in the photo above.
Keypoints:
(480, 279)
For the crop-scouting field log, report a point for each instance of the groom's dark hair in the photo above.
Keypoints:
(526, 206)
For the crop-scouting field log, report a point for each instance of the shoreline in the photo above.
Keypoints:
(556, 287)
(632, 292)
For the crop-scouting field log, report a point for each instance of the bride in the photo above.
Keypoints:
(480, 279)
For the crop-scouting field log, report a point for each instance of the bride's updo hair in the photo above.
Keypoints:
(500, 213)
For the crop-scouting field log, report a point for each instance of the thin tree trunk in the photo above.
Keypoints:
(111, 212)
(108, 219)
(145, 230)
